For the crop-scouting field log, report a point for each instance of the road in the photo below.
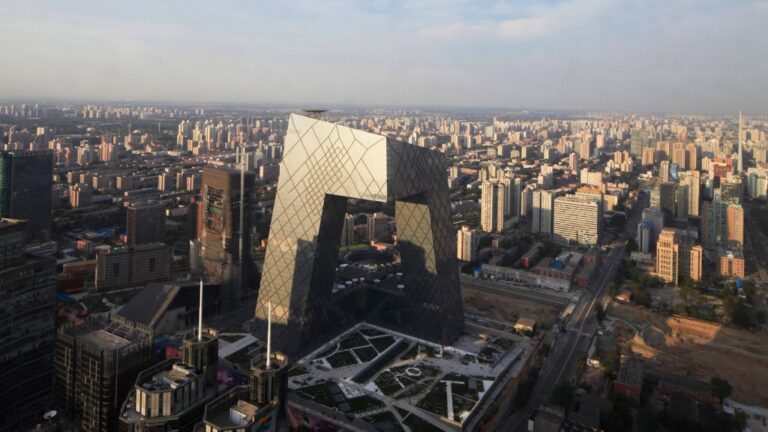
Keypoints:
(579, 331)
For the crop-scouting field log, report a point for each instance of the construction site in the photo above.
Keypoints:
(696, 348)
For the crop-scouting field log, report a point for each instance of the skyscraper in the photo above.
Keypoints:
(26, 181)
(145, 223)
(494, 205)
(96, 365)
(639, 139)
(27, 287)
(221, 231)
(324, 165)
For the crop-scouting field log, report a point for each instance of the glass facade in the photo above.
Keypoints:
(323, 166)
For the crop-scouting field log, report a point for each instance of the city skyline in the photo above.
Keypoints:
(577, 54)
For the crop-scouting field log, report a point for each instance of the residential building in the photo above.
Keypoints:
(731, 261)
(678, 256)
(466, 244)
(578, 219)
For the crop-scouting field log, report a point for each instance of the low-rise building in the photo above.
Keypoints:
(730, 261)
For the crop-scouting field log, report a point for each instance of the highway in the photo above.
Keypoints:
(580, 329)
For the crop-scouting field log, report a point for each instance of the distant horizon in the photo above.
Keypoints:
(653, 56)
(370, 107)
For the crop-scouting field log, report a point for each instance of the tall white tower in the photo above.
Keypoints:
(740, 162)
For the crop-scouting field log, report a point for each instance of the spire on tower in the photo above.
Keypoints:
(200, 314)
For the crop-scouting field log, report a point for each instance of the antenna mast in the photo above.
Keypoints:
(269, 334)
(200, 314)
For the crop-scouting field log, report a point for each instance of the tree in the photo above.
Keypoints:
(600, 312)
(562, 394)
(721, 387)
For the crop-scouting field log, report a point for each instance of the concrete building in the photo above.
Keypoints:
(543, 210)
(145, 223)
(172, 395)
(692, 180)
(645, 236)
(466, 244)
(578, 220)
(96, 365)
(132, 266)
(730, 261)
(27, 288)
(26, 181)
(80, 195)
(494, 205)
(663, 197)
(221, 238)
(722, 222)
(678, 256)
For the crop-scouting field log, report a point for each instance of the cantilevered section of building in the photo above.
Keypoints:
(324, 165)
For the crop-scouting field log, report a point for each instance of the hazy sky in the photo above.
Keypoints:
(648, 55)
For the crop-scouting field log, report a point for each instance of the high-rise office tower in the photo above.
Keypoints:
(26, 181)
(663, 197)
(466, 244)
(325, 165)
(145, 223)
(96, 366)
(639, 140)
(172, 395)
(578, 219)
(678, 256)
(27, 287)
(221, 231)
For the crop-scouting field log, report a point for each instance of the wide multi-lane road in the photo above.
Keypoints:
(580, 329)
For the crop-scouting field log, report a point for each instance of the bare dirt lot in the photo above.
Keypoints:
(698, 349)
(508, 307)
